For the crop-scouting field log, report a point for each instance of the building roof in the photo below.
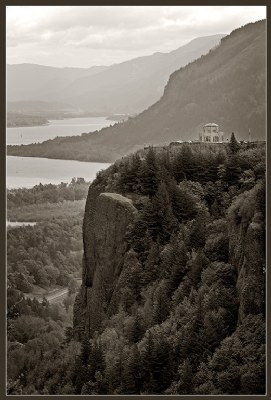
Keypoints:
(211, 124)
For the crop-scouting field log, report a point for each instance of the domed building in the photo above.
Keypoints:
(211, 133)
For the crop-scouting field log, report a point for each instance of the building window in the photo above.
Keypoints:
(215, 139)
(207, 138)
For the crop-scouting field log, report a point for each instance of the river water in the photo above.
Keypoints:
(30, 171)
(65, 127)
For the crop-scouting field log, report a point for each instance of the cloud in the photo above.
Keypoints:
(120, 31)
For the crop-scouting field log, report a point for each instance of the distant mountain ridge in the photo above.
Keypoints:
(128, 87)
(29, 82)
(227, 86)
(134, 85)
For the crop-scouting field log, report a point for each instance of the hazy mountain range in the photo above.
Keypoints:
(128, 87)
(32, 82)
(227, 86)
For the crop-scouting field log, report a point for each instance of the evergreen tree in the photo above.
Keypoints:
(165, 166)
(233, 170)
(148, 175)
(132, 373)
(198, 233)
(147, 360)
(158, 215)
(233, 145)
(136, 368)
(85, 351)
(198, 264)
(128, 385)
(184, 166)
(179, 270)
(68, 334)
(139, 237)
(183, 203)
(135, 272)
(151, 266)
(161, 305)
(174, 263)
(97, 358)
(137, 330)
(129, 179)
(184, 385)
(215, 209)
(162, 369)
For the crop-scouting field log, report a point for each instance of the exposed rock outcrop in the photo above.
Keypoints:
(107, 217)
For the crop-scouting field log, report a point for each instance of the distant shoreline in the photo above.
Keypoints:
(63, 117)
(26, 126)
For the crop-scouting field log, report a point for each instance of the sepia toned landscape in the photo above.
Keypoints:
(136, 201)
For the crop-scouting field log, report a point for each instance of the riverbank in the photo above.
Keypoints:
(52, 128)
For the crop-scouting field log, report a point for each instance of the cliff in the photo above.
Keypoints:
(107, 217)
(174, 283)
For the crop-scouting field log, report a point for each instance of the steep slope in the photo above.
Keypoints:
(107, 218)
(173, 284)
(133, 85)
(126, 87)
(226, 86)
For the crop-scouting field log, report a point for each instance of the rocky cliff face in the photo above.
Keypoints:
(107, 217)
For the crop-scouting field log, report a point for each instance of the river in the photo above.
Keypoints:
(65, 127)
(30, 171)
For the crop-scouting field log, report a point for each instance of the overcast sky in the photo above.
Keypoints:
(77, 36)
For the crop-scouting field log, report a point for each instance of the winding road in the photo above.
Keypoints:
(56, 296)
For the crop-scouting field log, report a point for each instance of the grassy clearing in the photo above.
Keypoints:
(46, 211)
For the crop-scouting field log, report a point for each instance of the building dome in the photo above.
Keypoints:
(211, 124)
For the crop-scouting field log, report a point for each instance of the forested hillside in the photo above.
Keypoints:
(133, 85)
(226, 86)
(41, 259)
(183, 307)
(183, 311)
(49, 253)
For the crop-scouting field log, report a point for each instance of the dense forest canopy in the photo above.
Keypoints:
(188, 312)
(48, 193)
(189, 303)
(50, 252)
(41, 258)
